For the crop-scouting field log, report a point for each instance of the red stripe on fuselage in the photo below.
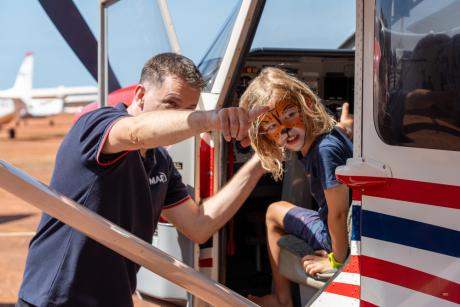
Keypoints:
(367, 304)
(344, 289)
(356, 195)
(353, 265)
(435, 194)
(410, 278)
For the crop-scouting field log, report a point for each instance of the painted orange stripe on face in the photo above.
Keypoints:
(284, 115)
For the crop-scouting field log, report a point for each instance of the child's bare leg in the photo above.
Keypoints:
(282, 287)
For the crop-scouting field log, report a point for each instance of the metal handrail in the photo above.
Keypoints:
(116, 238)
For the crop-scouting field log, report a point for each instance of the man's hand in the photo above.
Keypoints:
(346, 121)
(317, 263)
(235, 122)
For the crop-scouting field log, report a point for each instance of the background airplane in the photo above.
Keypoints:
(12, 99)
(23, 100)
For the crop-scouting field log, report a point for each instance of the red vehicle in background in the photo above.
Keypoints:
(124, 95)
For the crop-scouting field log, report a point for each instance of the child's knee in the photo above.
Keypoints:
(276, 212)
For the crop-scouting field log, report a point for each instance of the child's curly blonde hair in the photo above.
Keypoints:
(269, 87)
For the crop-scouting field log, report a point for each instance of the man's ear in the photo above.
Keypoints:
(139, 92)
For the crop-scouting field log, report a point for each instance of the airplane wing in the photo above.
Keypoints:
(63, 91)
(75, 104)
(71, 99)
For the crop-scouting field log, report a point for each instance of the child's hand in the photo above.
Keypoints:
(317, 263)
(346, 121)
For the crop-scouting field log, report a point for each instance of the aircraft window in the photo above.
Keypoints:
(135, 32)
(417, 73)
(209, 65)
(311, 24)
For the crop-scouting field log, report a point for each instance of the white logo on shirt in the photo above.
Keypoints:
(161, 177)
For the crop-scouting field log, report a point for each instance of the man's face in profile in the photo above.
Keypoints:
(174, 93)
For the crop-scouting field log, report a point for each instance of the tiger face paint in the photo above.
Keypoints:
(284, 125)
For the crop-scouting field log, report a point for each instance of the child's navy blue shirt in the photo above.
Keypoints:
(326, 153)
(65, 267)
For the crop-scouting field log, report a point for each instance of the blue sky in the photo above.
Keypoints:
(288, 23)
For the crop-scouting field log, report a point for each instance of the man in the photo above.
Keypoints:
(107, 162)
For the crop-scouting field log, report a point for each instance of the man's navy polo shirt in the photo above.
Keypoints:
(326, 153)
(65, 267)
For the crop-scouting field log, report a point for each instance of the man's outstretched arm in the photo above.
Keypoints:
(198, 223)
(166, 127)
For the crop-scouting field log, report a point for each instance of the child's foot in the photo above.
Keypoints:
(269, 300)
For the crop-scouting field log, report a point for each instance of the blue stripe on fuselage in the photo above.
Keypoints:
(410, 233)
(355, 223)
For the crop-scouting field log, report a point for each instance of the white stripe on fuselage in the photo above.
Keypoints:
(382, 293)
(440, 265)
(434, 215)
(330, 299)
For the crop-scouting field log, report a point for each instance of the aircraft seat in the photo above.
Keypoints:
(290, 265)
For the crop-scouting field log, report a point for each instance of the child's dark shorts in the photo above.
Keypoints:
(307, 225)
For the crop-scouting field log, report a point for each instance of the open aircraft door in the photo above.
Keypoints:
(197, 159)
(406, 165)
(219, 68)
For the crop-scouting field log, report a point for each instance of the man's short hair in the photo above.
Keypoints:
(162, 65)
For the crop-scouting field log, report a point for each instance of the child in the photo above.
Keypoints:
(298, 122)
